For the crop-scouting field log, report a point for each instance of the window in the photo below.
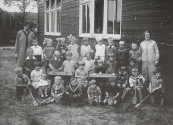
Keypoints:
(100, 17)
(52, 17)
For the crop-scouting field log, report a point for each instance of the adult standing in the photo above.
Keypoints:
(24, 40)
(150, 56)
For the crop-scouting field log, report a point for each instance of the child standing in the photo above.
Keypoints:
(73, 93)
(48, 52)
(85, 48)
(111, 64)
(74, 48)
(56, 62)
(112, 92)
(57, 90)
(100, 49)
(94, 92)
(89, 63)
(38, 80)
(111, 49)
(29, 62)
(136, 81)
(38, 52)
(68, 67)
(62, 47)
(135, 53)
(156, 86)
(20, 81)
(122, 55)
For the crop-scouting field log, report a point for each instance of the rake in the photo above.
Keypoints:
(34, 102)
(143, 100)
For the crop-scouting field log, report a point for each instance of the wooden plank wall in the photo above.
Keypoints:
(153, 15)
(156, 16)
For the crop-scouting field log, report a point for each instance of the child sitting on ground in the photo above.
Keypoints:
(73, 93)
(111, 49)
(111, 64)
(136, 81)
(100, 49)
(94, 92)
(56, 62)
(38, 52)
(20, 81)
(29, 62)
(61, 47)
(135, 53)
(156, 86)
(68, 67)
(56, 92)
(85, 48)
(89, 63)
(74, 48)
(112, 92)
(122, 55)
(38, 80)
(48, 52)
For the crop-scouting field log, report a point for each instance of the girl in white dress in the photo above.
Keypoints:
(38, 78)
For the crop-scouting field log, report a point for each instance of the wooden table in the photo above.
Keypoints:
(55, 73)
(52, 74)
(103, 75)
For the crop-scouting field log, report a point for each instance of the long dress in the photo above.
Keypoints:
(23, 42)
(74, 50)
(150, 54)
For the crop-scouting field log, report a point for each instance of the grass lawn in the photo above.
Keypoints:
(24, 113)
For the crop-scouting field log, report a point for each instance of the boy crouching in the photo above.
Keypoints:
(21, 82)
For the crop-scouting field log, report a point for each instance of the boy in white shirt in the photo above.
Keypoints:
(38, 52)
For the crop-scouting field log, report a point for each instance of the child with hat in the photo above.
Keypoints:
(100, 49)
(94, 92)
(20, 81)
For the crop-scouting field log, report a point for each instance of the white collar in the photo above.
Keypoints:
(111, 46)
(32, 57)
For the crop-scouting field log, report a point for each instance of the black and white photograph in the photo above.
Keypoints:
(86, 62)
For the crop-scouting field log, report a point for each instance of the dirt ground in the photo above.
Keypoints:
(24, 113)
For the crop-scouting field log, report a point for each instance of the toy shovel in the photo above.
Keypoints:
(134, 99)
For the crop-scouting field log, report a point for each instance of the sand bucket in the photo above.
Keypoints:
(110, 101)
(90, 100)
(58, 100)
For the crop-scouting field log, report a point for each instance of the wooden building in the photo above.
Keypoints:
(121, 19)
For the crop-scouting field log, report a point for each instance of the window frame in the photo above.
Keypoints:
(56, 9)
(92, 34)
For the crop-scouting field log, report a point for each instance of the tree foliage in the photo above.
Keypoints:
(21, 4)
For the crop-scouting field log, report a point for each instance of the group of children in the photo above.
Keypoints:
(77, 61)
